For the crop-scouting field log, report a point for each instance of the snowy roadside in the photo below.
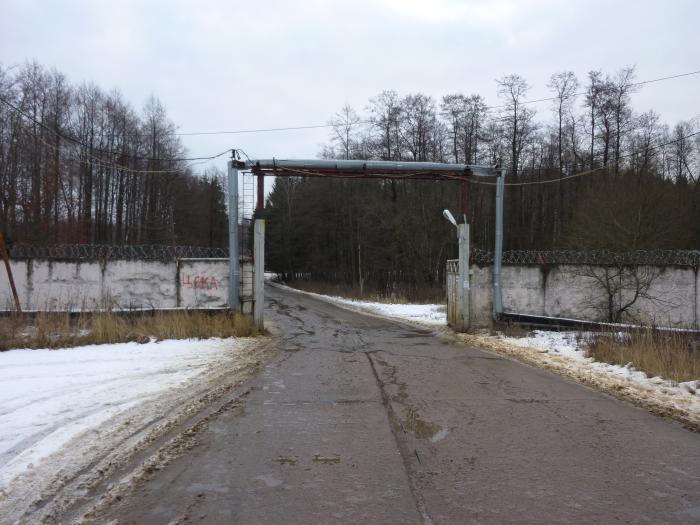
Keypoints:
(427, 314)
(63, 411)
(562, 353)
(559, 352)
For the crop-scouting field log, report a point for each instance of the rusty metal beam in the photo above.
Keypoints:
(366, 169)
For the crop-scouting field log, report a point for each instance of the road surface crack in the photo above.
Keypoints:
(396, 427)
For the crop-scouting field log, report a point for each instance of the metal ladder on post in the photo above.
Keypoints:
(246, 212)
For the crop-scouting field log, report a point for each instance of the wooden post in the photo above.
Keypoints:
(8, 268)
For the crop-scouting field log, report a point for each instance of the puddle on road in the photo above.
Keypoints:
(439, 435)
(286, 460)
(420, 427)
(415, 334)
(269, 480)
(327, 460)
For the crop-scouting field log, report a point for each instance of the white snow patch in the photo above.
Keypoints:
(428, 314)
(565, 352)
(432, 314)
(571, 346)
(48, 397)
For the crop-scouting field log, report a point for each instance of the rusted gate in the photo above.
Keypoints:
(452, 299)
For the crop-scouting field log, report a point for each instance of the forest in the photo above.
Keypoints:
(81, 165)
(585, 170)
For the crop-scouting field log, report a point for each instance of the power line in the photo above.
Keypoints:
(318, 126)
(92, 160)
(416, 175)
(643, 82)
(587, 172)
(261, 130)
(80, 143)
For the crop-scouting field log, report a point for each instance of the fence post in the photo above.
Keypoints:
(463, 279)
(498, 249)
(234, 260)
(259, 272)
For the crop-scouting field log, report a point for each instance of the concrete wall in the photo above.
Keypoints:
(60, 285)
(562, 291)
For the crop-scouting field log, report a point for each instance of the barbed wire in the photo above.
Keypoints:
(94, 252)
(689, 258)
(161, 252)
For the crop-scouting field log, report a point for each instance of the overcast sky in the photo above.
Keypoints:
(228, 65)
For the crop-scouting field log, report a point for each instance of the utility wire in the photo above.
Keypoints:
(80, 143)
(587, 172)
(548, 99)
(96, 161)
(370, 121)
(487, 183)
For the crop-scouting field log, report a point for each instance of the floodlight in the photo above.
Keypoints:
(449, 217)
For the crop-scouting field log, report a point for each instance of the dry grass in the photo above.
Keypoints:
(671, 355)
(60, 330)
(420, 295)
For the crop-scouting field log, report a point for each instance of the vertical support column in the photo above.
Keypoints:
(498, 249)
(234, 261)
(260, 200)
(463, 278)
(259, 272)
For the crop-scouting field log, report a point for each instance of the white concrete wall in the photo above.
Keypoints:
(60, 285)
(561, 291)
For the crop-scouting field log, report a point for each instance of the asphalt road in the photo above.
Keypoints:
(364, 420)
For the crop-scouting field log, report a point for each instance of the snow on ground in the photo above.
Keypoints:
(53, 400)
(429, 314)
(432, 314)
(564, 353)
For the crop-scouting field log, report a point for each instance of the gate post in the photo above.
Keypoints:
(259, 272)
(234, 260)
(498, 248)
(463, 278)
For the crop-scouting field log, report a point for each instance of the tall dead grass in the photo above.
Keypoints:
(671, 355)
(60, 330)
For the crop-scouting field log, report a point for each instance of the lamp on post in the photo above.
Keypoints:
(463, 271)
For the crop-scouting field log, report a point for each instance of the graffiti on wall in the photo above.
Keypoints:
(199, 282)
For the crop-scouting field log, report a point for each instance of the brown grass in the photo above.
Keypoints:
(60, 330)
(420, 295)
(671, 355)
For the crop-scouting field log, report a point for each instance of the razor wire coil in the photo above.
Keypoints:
(160, 252)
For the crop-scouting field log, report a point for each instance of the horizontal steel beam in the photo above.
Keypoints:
(366, 168)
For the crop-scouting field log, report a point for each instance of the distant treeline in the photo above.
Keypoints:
(79, 165)
(643, 194)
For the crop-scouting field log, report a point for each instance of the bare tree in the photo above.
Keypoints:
(518, 119)
(564, 86)
(594, 92)
(345, 124)
(385, 114)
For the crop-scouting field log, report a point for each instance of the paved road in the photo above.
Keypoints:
(363, 420)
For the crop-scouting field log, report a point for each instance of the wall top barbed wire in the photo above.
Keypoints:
(591, 257)
(92, 252)
(160, 252)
